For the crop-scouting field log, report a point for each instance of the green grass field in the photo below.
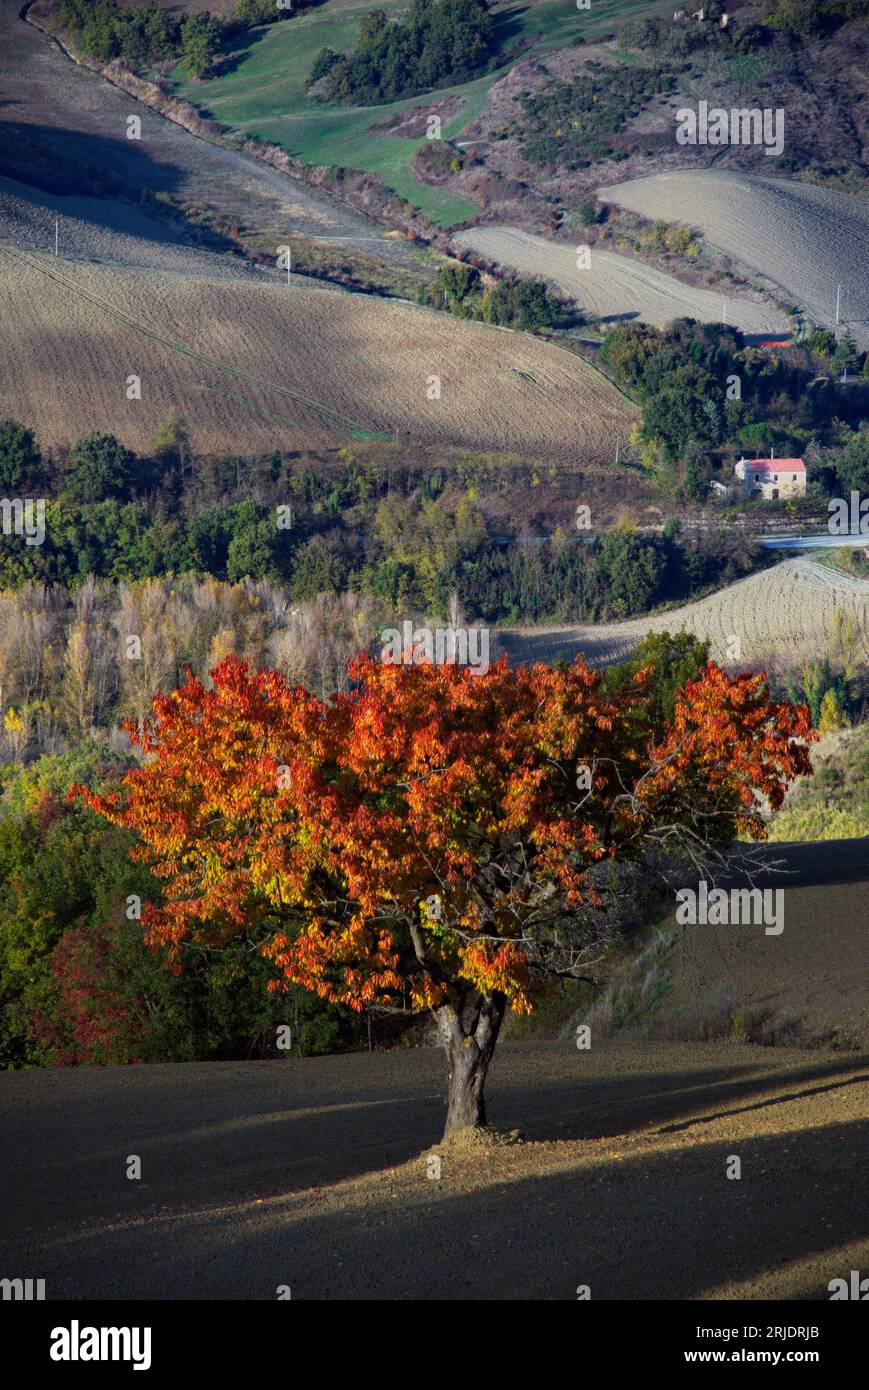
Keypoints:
(263, 94)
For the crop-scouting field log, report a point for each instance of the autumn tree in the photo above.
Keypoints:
(433, 835)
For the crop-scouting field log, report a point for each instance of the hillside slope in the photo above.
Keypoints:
(784, 611)
(813, 975)
(835, 801)
(804, 239)
(253, 362)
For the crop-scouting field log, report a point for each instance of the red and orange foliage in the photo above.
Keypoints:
(406, 839)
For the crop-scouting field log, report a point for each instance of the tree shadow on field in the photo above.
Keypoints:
(239, 50)
(77, 163)
(662, 1225)
(602, 1106)
(797, 865)
(220, 1134)
(769, 1104)
(508, 25)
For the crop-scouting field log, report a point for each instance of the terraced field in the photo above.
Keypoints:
(253, 361)
(805, 240)
(614, 287)
(784, 611)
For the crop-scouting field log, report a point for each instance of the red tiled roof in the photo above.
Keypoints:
(775, 465)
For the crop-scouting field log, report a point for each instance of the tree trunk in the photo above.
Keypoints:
(469, 1031)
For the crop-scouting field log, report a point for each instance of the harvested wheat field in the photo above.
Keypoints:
(786, 612)
(101, 230)
(253, 362)
(615, 287)
(804, 239)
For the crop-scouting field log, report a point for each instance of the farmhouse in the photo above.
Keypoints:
(772, 477)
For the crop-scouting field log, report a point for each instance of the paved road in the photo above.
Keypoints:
(822, 542)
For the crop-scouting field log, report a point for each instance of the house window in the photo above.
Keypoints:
(775, 477)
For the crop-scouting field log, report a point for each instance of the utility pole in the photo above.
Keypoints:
(838, 304)
(56, 233)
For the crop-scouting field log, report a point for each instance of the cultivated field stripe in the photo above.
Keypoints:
(175, 345)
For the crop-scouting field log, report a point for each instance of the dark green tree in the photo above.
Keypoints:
(20, 459)
(674, 658)
(200, 40)
(99, 467)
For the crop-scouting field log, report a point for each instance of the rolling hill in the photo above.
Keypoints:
(804, 239)
(783, 612)
(254, 360)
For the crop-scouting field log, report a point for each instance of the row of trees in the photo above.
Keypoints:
(407, 543)
(73, 664)
(73, 661)
(438, 43)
